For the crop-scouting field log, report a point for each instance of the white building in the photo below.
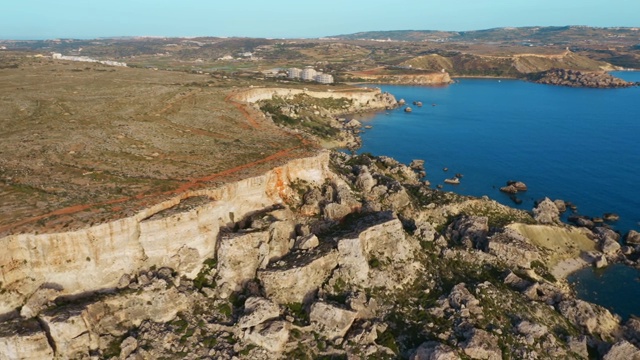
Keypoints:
(309, 74)
(295, 73)
(324, 79)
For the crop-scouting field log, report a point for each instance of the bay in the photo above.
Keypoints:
(575, 144)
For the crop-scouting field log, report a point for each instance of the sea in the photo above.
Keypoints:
(576, 144)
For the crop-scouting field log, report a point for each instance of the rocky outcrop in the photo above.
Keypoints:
(331, 321)
(593, 318)
(298, 283)
(623, 350)
(546, 212)
(632, 238)
(363, 99)
(576, 78)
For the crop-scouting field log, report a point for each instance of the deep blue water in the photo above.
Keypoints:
(576, 144)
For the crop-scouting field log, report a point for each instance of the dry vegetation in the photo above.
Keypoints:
(101, 141)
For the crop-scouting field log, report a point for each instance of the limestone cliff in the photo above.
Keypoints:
(95, 258)
(358, 99)
(435, 78)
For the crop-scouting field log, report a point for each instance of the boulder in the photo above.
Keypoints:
(632, 238)
(561, 205)
(258, 310)
(609, 246)
(581, 221)
(532, 330)
(546, 212)
(280, 235)
(365, 182)
(513, 248)
(481, 345)
(579, 346)
(433, 350)
(470, 231)
(128, 346)
(417, 165)
(594, 319)
(336, 211)
(38, 301)
(271, 336)
(632, 330)
(461, 298)
(600, 261)
(623, 350)
(307, 242)
(518, 185)
(611, 217)
(353, 124)
(239, 257)
(509, 189)
(298, 284)
(330, 321)
(364, 255)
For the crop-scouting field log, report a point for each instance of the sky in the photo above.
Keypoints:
(50, 19)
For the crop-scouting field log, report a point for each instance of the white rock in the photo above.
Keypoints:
(330, 321)
(623, 350)
(307, 242)
(296, 285)
(271, 336)
(258, 310)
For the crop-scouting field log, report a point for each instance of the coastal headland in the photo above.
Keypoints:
(150, 213)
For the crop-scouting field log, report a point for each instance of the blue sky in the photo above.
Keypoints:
(47, 19)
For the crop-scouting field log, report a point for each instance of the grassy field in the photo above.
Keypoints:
(102, 141)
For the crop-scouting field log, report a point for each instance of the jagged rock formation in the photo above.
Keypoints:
(334, 255)
(576, 78)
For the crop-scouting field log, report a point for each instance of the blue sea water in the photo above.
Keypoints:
(576, 144)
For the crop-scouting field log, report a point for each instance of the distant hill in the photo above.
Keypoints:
(461, 64)
(532, 34)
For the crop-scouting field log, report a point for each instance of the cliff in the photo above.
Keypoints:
(333, 255)
(430, 79)
(358, 99)
(95, 258)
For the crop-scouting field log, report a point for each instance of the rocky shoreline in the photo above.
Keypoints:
(576, 78)
(334, 256)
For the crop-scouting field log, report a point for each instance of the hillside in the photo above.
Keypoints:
(549, 34)
(462, 64)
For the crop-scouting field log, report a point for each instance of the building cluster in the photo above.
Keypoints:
(310, 74)
(57, 56)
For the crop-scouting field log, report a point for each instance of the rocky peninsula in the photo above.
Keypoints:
(576, 78)
(324, 256)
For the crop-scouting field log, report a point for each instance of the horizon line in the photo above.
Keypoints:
(36, 38)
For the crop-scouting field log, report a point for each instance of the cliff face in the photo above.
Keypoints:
(362, 99)
(436, 78)
(96, 258)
